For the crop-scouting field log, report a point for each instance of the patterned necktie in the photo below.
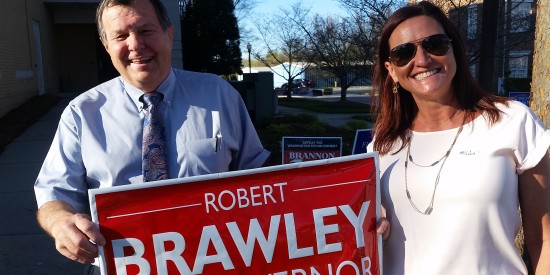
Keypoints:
(154, 144)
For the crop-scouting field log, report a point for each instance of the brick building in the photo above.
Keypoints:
(52, 46)
(513, 52)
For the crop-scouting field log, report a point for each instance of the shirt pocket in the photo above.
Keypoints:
(205, 156)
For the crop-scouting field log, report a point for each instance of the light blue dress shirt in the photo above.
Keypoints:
(98, 140)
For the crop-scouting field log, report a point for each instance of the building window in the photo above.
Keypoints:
(521, 16)
(519, 64)
(472, 21)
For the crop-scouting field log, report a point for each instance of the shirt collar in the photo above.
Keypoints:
(166, 88)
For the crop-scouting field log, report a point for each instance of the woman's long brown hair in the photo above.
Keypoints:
(396, 112)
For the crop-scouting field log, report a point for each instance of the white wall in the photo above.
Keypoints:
(280, 70)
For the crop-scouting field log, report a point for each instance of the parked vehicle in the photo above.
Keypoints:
(308, 83)
(299, 83)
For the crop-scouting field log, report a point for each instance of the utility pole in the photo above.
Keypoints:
(249, 48)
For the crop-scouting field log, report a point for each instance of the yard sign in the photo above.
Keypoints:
(299, 149)
(362, 138)
(315, 217)
(523, 97)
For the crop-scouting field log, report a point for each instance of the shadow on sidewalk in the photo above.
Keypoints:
(24, 247)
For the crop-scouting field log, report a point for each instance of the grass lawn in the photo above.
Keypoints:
(301, 125)
(305, 125)
(321, 106)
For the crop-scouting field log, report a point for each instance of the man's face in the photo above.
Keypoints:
(140, 50)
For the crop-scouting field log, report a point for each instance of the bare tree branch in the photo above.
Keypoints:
(282, 42)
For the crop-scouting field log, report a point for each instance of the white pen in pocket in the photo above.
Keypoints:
(216, 130)
(218, 142)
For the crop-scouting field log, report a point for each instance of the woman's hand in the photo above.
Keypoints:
(383, 228)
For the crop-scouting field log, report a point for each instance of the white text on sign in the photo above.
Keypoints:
(245, 197)
(210, 237)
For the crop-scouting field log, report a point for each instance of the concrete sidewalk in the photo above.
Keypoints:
(24, 248)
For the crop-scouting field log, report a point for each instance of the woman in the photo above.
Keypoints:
(456, 162)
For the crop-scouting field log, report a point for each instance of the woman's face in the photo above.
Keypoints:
(427, 76)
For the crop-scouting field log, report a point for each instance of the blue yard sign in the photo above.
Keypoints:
(362, 138)
(522, 97)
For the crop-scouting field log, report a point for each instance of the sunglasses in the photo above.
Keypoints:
(437, 44)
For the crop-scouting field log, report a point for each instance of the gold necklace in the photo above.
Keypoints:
(422, 165)
(430, 208)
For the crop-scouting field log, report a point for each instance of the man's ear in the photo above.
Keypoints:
(105, 45)
(391, 71)
(170, 31)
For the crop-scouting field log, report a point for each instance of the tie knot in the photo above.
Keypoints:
(152, 98)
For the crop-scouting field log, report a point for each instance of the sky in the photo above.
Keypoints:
(267, 8)
(323, 7)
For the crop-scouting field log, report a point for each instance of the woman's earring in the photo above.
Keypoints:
(395, 87)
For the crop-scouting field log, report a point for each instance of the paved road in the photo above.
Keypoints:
(359, 94)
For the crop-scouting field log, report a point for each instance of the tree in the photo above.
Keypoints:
(283, 44)
(488, 42)
(540, 84)
(509, 27)
(343, 47)
(374, 11)
(210, 37)
(243, 10)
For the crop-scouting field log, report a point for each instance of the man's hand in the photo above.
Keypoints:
(76, 236)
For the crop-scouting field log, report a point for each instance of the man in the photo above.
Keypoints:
(99, 138)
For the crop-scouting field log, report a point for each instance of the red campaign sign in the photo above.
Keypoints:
(314, 218)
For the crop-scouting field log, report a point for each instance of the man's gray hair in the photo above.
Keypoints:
(160, 10)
